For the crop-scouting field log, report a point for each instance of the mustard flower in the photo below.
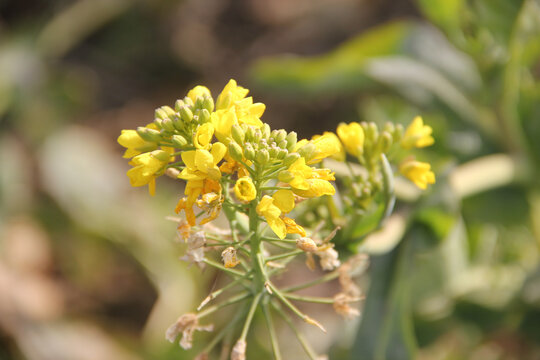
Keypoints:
(271, 213)
(203, 136)
(244, 189)
(417, 135)
(135, 145)
(145, 168)
(202, 164)
(418, 172)
(327, 145)
(352, 137)
(309, 182)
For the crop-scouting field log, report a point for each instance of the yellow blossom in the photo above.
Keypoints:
(309, 182)
(284, 200)
(418, 172)
(197, 91)
(271, 213)
(202, 164)
(293, 227)
(135, 145)
(417, 135)
(203, 136)
(145, 168)
(230, 94)
(352, 136)
(327, 145)
(244, 189)
(195, 188)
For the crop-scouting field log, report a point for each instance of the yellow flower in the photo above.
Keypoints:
(145, 167)
(230, 94)
(195, 188)
(284, 200)
(202, 164)
(293, 227)
(197, 91)
(352, 136)
(244, 189)
(418, 172)
(134, 143)
(328, 145)
(271, 213)
(417, 135)
(203, 136)
(211, 202)
(223, 121)
(317, 187)
(309, 182)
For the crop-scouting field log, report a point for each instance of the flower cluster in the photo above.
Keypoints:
(232, 163)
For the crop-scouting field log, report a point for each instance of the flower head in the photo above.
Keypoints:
(417, 135)
(418, 172)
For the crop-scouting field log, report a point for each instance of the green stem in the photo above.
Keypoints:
(272, 331)
(223, 268)
(328, 277)
(284, 255)
(312, 299)
(250, 316)
(307, 347)
(232, 300)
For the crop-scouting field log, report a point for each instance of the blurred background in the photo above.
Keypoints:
(89, 267)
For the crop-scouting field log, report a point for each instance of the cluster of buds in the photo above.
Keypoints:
(234, 164)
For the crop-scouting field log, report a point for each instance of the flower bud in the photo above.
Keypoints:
(161, 155)
(249, 152)
(282, 153)
(179, 141)
(186, 114)
(208, 104)
(265, 131)
(291, 138)
(177, 122)
(283, 144)
(149, 134)
(235, 151)
(167, 124)
(285, 176)
(250, 134)
(237, 134)
(280, 136)
(178, 104)
(290, 159)
(263, 156)
(157, 122)
(308, 151)
(372, 132)
(385, 142)
(188, 101)
(273, 152)
(163, 112)
(204, 116)
(398, 133)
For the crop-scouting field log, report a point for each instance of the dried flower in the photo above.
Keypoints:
(229, 257)
(186, 324)
(239, 350)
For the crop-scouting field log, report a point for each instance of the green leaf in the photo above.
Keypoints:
(339, 70)
(386, 329)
